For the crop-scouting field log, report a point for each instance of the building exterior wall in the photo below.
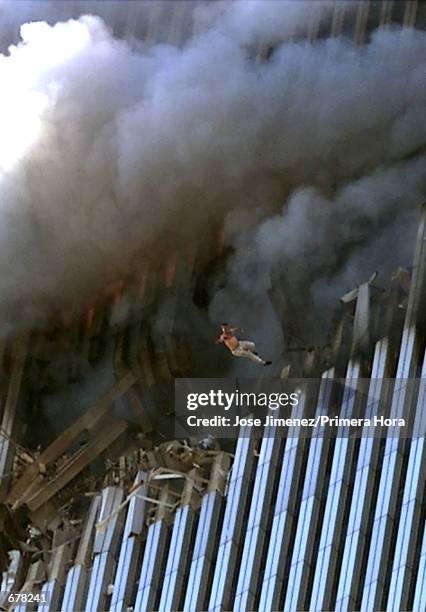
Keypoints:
(328, 523)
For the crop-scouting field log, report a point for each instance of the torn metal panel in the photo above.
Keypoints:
(88, 421)
(417, 295)
(60, 558)
(105, 549)
(361, 332)
(219, 473)
(11, 577)
(77, 463)
(86, 541)
(106, 539)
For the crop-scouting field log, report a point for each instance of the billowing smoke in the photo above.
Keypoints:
(319, 247)
(114, 147)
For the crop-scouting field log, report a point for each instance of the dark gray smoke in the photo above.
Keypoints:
(113, 148)
(321, 247)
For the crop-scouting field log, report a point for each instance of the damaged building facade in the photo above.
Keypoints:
(114, 514)
(281, 522)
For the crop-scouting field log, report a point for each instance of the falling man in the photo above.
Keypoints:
(239, 348)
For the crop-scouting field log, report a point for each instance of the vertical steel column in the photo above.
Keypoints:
(379, 560)
(361, 21)
(314, 22)
(232, 528)
(386, 13)
(310, 518)
(125, 575)
(202, 557)
(365, 476)
(410, 529)
(53, 588)
(155, 549)
(285, 514)
(410, 13)
(338, 496)
(385, 513)
(420, 590)
(260, 511)
(205, 541)
(104, 548)
(35, 576)
(76, 582)
(175, 34)
(179, 551)
(339, 9)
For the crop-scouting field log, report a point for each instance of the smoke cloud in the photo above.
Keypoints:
(113, 147)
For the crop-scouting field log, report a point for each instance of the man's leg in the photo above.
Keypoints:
(254, 357)
(246, 349)
(248, 346)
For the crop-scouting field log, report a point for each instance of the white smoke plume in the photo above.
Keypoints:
(113, 148)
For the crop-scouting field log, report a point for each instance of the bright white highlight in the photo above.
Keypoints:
(20, 124)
